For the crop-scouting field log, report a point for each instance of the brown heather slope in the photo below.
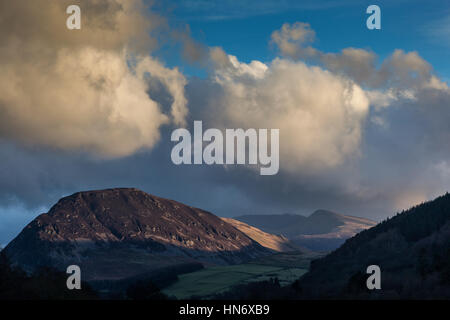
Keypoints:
(120, 233)
(271, 241)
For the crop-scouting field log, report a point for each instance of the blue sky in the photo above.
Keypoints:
(244, 30)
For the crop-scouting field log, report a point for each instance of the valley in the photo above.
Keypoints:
(285, 267)
(133, 245)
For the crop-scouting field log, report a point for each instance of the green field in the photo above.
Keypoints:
(287, 267)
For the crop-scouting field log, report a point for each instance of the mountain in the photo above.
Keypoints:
(121, 233)
(412, 250)
(271, 241)
(321, 231)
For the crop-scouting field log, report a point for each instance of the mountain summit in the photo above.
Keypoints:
(120, 233)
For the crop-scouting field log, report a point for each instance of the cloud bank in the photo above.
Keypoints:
(83, 90)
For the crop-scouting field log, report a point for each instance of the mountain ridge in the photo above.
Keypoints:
(322, 230)
(135, 230)
(271, 241)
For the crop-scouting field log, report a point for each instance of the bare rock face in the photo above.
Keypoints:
(119, 233)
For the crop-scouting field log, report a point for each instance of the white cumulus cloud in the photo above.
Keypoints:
(320, 115)
(84, 90)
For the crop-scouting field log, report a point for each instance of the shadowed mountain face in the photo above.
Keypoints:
(321, 231)
(412, 250)
(119, 233)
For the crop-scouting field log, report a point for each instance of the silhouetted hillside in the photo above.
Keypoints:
(412, 250)
(45, 284)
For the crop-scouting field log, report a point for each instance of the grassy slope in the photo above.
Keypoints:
(287, 267)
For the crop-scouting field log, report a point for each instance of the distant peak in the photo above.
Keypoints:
(324, 213)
